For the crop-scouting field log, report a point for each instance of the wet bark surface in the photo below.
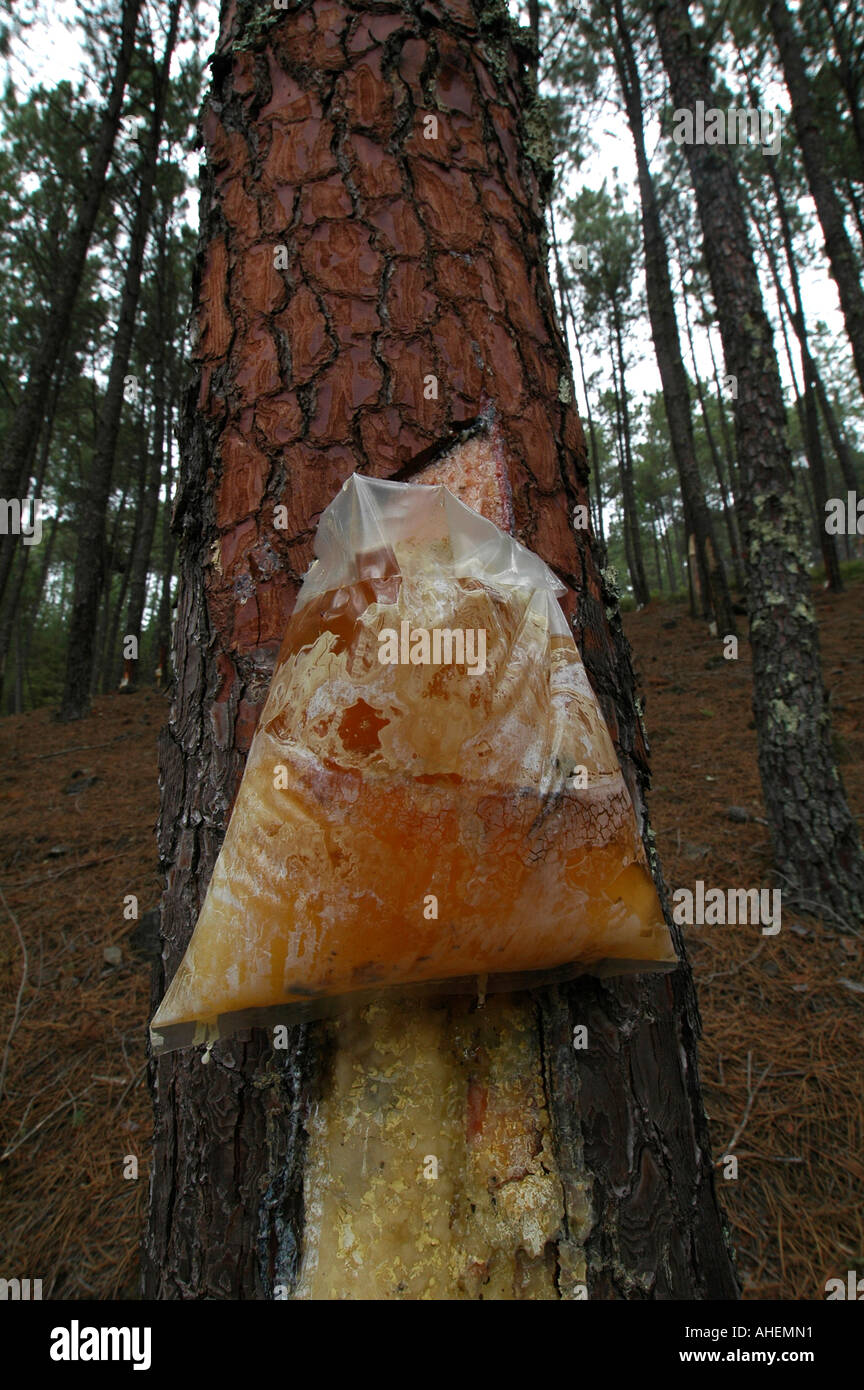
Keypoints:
(406, 257)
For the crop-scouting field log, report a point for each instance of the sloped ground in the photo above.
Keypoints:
(781, 1058)
(783, 1020)
(77, 1106)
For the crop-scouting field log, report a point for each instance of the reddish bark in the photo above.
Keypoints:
(406, 258)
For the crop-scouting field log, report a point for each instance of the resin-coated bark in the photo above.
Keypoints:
(406, 258)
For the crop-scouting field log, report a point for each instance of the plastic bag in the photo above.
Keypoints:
(431, 798)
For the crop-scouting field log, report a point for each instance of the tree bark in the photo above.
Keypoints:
(405, 257)
(815, 840)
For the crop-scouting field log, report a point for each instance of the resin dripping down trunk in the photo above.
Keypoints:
(430, 1169)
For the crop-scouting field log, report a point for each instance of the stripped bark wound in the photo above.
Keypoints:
(430, 1170)
(405, 257)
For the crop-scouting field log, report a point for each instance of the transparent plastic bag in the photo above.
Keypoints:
(431, 799)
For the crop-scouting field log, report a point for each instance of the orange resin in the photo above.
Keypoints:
(409, 823)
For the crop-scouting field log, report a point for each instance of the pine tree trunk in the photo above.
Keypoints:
(163, 615)
(568, 318)
(844, 265)
(140, 565)
(815, 839)
(667, 344)
(805, 404)
(641, 592)
(729, 513)
(10, 609)
(658, 568)
(36, 602)
(799, 322)
(90, 557)
(101, 639)
(848, 69)
(24, 430)
(406, 256)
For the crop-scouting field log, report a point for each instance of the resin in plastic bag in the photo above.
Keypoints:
(431, 798)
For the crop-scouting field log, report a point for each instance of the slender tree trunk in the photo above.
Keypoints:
(641, 591)
(90, 560)
(140, 562)
(838, 442)
(728, 450)
(670, 559)
(163, 617)
(423, 260)
(18, 686)
(24, 429)
(667, 343)
(568, 318)
(848, 71)
(11, 606)
(595, 459)
(658, 568)
(626, 513)
(841, 255)
(729, 512)
(805, 399)
(854, 200)
(36, 602)
(723, 474)
(108, 665)
(799, 322)
(100, 641)
(815, 840)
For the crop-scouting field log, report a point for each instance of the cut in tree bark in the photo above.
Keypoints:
(406, 258)
(815, 840)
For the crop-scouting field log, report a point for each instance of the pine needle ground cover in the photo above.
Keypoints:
(783, 1015)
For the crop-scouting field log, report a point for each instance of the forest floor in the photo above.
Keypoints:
(782, 1056)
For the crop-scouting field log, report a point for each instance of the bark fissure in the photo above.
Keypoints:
(426, 259)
